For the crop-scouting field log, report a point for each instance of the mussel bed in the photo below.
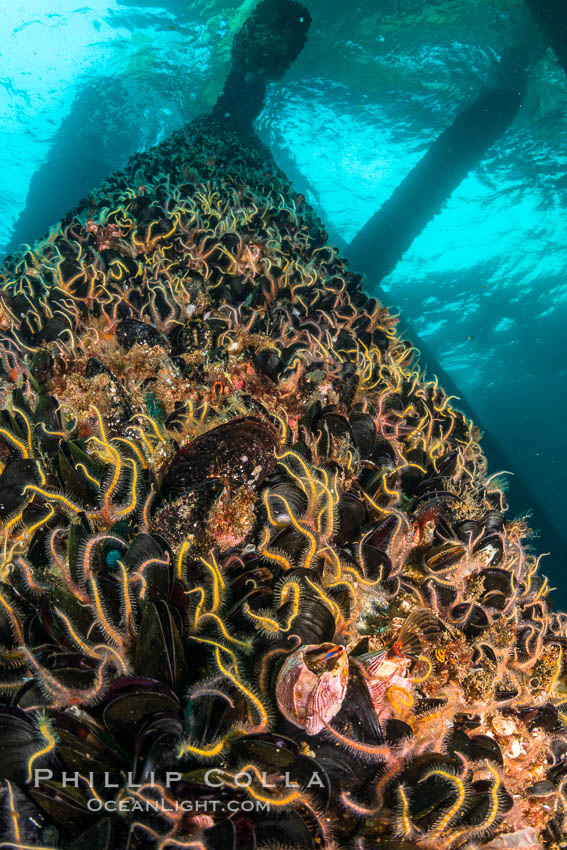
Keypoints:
(258, 589)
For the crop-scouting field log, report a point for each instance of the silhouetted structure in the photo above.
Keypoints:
(551, 15)
(83, 151)
(386, 236)
(266, 45)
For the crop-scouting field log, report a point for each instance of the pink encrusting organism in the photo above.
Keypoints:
(312, 684)
(386, 672)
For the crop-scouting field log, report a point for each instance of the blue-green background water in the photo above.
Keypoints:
(82, 87)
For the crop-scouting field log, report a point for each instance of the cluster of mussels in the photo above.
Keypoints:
(256, 587)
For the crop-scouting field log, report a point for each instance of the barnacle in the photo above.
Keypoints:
(225, 477)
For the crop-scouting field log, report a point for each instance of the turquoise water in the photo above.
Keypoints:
(84, 86)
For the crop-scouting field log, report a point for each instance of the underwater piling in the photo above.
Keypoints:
(258, 588)
(387, 235)
(551, 16)
(270, 40)
(252, 556)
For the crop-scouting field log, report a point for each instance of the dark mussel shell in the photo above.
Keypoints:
(52, 329)
(105, 834)
(151, 551)
(539, 717)
(310, 773)
(157, 745)
(352, 513)
(497, 579)
(159, 650)
(383, 453)
(427, 796)
(418, 457)
(440, 558)
(19, 739)
(84, 745)
(63, 804)
(457, 741)
(526, 640)
(328, 427)
(268, 361)
(543, 788)
(291, 543)
(70, 669)
(447, 465)
(471, 619)
(396, 730)
(357, 717)
(213, 716)
(429, 799)
(241, 451)
(248, 572)
(480, 802)
(430, 485)
(299, 828)
(467, 721)
(348, 384)
(130, 332)
(375, 563)
(331, 426)
(30, 696)
(361, 647)
(301, 448)
(468, 530)
(558, 750)
(490, 549)
(363, 432)
(15, 476)
(47, 418)
(494, 521)
(316, 624)
(66, 602)
(311, 415)
(130, 701)
(484, 747)
(188, 513)
(483, 653)
(194, 334)
(553, 832)
(224, 836)
(293, 496)
(270, 751)
(76, 484)
(344, 341)
(381, 535)
(497, 588)
(41, 365)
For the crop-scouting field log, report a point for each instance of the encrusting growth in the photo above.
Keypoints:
(243, 537)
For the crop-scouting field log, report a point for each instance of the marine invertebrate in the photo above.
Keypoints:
(256, 584)
(311, 685)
